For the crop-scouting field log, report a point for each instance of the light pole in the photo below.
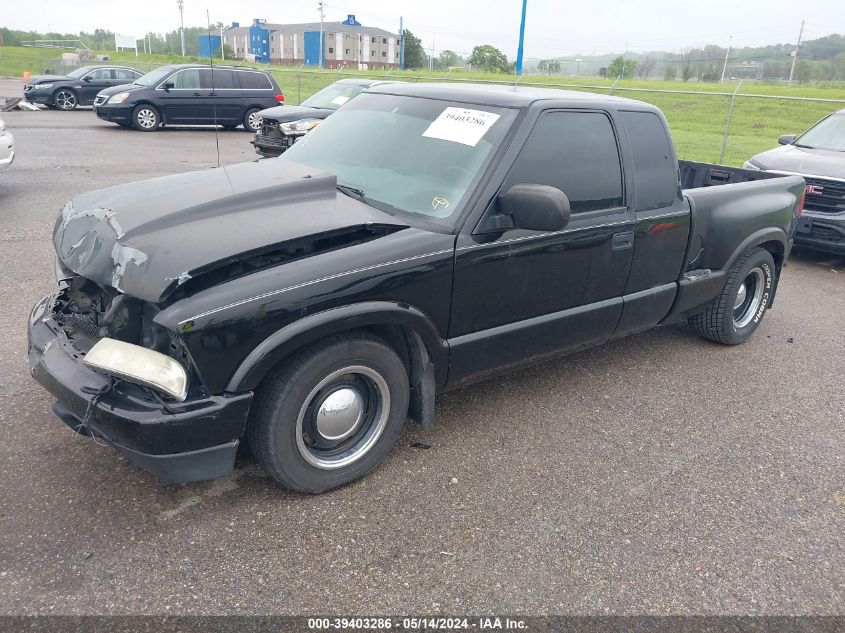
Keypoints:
(181, 5)
(321, 6)
(518, 66)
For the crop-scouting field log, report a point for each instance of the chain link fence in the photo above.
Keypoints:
(718, 127)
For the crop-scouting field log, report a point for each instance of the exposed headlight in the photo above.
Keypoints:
(749, 165)
(42, 86)
(298, 128)
(139, 365)
(118, 98)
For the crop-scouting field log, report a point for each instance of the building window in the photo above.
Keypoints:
(384, 40)
(384, 53)
(347, 51)
(372, 53)
(331, 50)
(372, 40)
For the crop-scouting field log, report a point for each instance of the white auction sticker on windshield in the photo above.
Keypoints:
(461, 125)
(340, 100)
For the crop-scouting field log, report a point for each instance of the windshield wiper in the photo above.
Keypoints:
(352, 192)
(804, 146)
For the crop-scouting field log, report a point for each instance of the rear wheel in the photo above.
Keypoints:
(251, 120)
(733, 316)
(65, 99)
(145, 118)
(331, 413)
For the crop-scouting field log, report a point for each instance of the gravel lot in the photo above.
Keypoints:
(657, 474)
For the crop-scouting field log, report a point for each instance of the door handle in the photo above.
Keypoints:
(623, 241)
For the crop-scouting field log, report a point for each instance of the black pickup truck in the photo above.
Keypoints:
(423, 237)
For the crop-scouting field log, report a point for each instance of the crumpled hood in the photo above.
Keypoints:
(40, 79)
(284, 114)
(148, 237)
(802, 160)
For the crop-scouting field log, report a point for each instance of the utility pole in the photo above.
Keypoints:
(322, 7)
(181, 4)
(725, 67)
(795, 54)
(222, 52)
(401, 45)
(431, 57)
(519, 50)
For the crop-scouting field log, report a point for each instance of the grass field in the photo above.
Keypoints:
(697, 114)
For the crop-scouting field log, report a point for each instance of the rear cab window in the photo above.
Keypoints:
(655, 171)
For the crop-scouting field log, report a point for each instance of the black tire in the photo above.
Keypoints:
(249, 120)
(353, 375)
(145, 118)
(733, 316)
(229, 128)
(65, 99)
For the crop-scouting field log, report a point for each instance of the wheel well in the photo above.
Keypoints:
(777, 251)
(411, 350)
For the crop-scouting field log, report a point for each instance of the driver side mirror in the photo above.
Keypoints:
(167, 85)
(531, 207)
(86, 78)
(786, 139)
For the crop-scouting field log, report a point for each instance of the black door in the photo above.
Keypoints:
(184, 103)
(92, 83)
(224, 96)
(521, 295)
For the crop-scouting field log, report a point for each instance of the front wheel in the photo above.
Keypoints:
(252, 122)
(145, 118)
(733, 316)
(65, 99)
(331, 413)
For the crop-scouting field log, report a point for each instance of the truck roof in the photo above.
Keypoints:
(499, 95)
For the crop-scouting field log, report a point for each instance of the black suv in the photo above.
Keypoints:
(78, 87)
(191, 94)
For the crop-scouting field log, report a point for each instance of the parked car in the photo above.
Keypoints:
(7, 147)
(191, 94)
(819, 156)
(423, 237)
(281, 126)
(79, 87)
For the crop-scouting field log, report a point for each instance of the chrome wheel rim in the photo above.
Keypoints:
(65, 100)
(343, 417)
(254, 120)
(749, 298)
(146, 118)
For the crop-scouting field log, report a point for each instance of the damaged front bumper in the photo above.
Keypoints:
(178, 442)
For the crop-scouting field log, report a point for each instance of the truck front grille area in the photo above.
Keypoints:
(826, 233)
(825, 196)
(270, 128)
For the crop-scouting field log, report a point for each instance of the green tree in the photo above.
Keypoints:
(414, 56)
(448, 59)
(488, 58)
(621, 67)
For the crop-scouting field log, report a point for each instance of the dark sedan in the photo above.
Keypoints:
(819, 155)
(281, 126)
(78, 87)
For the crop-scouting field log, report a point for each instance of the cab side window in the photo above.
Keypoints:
(188, 79)
(101, 74)
(575, 152)
(655, 171)
(123, 74)
(217, 79)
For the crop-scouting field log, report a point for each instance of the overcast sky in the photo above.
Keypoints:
(553, 27)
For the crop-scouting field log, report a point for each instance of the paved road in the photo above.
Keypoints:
(657, 474)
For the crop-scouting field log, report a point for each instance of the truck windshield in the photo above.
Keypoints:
(828, 134)
(153, 77)
(334, 96)
(406, 154)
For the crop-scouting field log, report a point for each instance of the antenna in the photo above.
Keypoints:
(213, 94)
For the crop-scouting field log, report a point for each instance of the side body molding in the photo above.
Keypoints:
(315, 327)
